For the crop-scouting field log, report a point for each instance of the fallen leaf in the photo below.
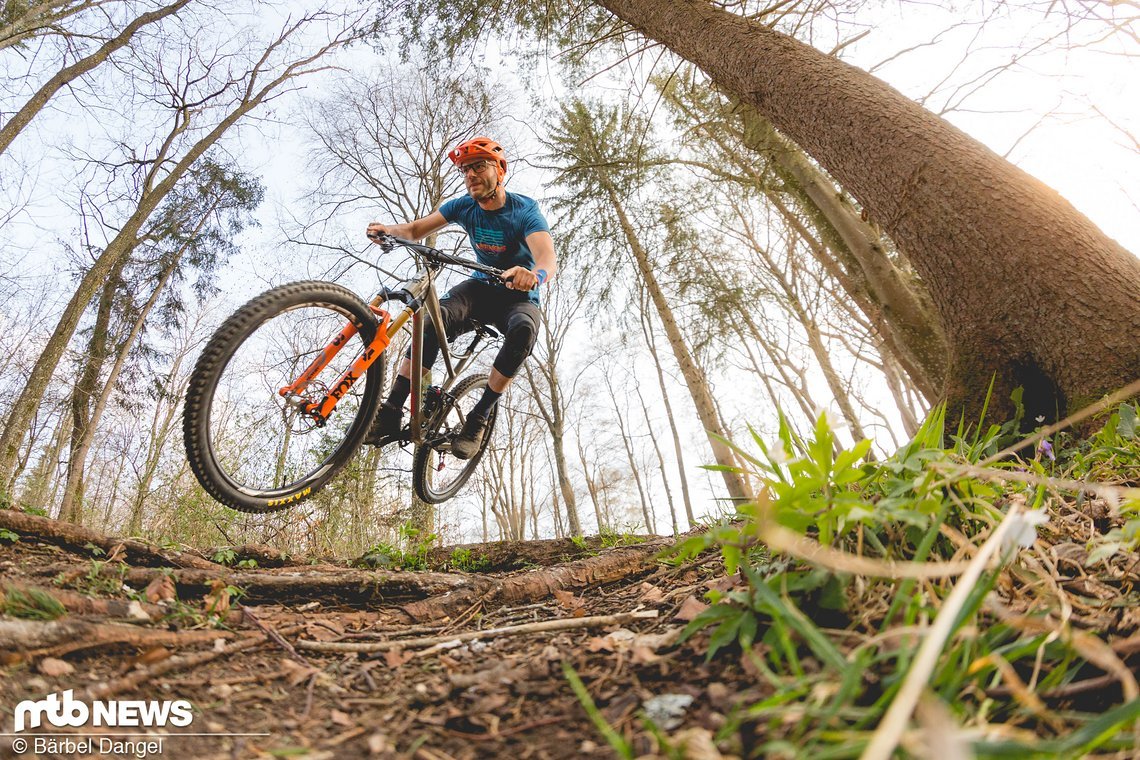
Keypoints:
(218, 600)
(651, 594)
(696, 744)
(567, 600)
(656, 641)
(599, 644)
(50, 666)
(153, 655)
(644, 656)
(724, 583)
(615, 641)
(690, 608)
(396, 657)
(161, 589)
(297, 673)
(340, 718)
(378, 744)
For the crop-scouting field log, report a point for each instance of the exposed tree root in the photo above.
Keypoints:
(368, 587)
(614, 565)
(57, 637)
(81, 604)
(502, 556)
(77, 538)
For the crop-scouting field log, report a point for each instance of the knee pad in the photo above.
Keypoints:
(522, 332)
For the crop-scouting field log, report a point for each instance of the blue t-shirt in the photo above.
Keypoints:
(499, 236)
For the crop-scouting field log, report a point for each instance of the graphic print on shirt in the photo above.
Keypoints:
(489, 241)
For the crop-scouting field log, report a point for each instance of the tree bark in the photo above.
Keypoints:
(695, 379)
(651, 343)
(82, 415)
(1028, 290)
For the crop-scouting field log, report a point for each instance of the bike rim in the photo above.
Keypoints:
(446, 473)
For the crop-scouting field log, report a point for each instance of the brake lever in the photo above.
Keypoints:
(386, 242)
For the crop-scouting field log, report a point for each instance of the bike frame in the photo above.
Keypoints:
(418, 295)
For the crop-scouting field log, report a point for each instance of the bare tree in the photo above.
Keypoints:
(235, 96)
(79, 68)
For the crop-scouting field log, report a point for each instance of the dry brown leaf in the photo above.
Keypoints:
(394, 658)
(697, 744)
(690, 608)
(599, 644)
(116, 554)
(297, 673)
(161, 589)
(340, 718)
(50, 666)
(651, 594)
(567, 600)
(644, 656)
(322, 633)
(724, 583)
(151, 656)
(217, 602)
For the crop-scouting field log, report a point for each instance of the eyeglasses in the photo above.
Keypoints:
(476, 167)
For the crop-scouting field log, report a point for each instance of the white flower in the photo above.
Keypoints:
(777, 454)
(1023, 530)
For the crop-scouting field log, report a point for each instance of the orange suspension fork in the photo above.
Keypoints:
(323, 408)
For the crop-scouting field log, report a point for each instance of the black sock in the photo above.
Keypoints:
(483, 407)
(400, 390)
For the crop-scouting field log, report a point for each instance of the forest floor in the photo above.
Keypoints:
(527, 650)
(456, 674)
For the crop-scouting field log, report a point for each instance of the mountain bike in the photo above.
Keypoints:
(275, 407)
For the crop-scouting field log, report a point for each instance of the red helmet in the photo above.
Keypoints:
(480, 147)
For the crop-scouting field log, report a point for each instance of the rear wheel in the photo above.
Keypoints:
(437, 475)
(253, 449)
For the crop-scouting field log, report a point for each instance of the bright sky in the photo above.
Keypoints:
(1073, 149)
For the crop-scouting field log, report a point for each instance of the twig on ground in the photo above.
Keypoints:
(247, 614)
(561, 624)
(142, 675)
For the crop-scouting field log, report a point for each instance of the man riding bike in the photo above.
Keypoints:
(508, 231)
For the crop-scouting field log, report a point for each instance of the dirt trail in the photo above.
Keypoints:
(456, 664)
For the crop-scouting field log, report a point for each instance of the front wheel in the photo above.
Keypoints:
(436, 474)
(252, 448)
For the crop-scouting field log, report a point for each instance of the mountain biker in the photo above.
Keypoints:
(507, 231)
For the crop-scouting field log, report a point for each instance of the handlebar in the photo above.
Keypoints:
(388, 242)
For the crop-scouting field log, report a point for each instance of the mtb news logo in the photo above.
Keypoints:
(65, 711)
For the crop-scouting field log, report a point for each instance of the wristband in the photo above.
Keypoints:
(541, 275)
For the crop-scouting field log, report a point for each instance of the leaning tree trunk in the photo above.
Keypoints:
(695, 379)
(1030, 292)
